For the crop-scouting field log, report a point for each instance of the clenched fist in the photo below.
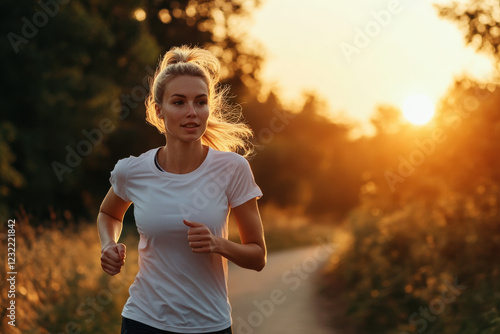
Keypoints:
(113, 258)
(200, 239)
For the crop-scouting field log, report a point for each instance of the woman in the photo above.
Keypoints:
(182, 194)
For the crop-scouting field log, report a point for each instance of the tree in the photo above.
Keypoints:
(74, 78)
(309, 162)
(216, 25)
(480, 19)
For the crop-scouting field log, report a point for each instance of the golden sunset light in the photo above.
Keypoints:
(360, 54)
(250, 166)
(418, 109)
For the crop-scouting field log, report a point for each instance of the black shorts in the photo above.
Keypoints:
(130, 326)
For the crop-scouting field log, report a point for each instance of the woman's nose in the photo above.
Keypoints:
(191, 110)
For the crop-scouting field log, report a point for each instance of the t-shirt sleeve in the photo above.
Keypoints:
(242, 186)
(118, 179)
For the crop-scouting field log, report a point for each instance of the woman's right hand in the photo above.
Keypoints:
(113, 258)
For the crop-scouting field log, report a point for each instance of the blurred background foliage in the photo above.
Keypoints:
(90, 66)
(82, 78)
(420, 256)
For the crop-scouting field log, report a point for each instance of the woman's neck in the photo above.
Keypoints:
(181, 157)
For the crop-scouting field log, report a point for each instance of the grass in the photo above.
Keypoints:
(420, 268)
(61, 287)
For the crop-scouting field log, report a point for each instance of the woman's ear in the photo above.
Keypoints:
(158, 111)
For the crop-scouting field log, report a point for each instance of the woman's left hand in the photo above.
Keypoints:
(200, 239)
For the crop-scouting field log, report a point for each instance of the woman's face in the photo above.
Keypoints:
(185, 108)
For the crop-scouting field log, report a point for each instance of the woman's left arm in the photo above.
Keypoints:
(250, 254)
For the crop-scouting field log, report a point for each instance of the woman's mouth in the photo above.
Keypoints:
(190, 125)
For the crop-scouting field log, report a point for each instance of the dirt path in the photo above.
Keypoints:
(280, 298)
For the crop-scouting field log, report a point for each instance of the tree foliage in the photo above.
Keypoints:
(73, 85)
(480, 20)
(422, 243)
(74, 80)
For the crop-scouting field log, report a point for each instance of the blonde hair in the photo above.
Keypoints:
(225, 129)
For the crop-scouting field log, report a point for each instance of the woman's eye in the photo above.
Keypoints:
(202, 102)
(178, 102)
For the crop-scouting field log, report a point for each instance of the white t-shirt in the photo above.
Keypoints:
(175, 289)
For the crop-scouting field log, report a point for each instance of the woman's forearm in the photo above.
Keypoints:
(109, 229)
(250, 255)
(110, 218)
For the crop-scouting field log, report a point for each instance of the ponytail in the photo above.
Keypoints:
(225, 129)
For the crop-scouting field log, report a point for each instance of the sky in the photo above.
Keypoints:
(359, 54)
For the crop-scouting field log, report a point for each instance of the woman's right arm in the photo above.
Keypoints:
(109, 225)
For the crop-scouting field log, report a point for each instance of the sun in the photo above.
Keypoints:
(418, 109)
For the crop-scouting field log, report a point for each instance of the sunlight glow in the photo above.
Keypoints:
(140, 14)
(298, 41)
(418, 109)
(164, 16)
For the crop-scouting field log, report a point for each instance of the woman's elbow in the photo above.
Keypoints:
(260, 266)
(262, 262)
